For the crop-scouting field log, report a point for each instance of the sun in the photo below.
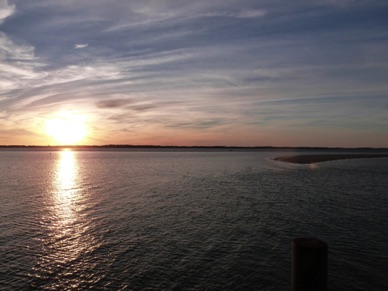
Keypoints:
(67, 128)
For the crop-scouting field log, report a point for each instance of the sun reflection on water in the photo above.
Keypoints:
(66, 188)
(68, 236)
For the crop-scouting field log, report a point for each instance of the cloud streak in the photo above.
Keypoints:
(6, 10)
(81, 45)
(116, 103)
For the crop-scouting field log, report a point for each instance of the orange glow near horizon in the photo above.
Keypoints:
(67, 128)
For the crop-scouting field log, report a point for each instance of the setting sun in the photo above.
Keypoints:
(67, 128)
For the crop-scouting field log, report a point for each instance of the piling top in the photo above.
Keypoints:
(310, 242)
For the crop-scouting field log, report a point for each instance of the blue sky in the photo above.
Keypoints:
(220, 72)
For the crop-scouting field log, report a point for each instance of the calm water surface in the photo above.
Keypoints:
(186, 220)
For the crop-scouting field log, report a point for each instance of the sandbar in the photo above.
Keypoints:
(318, 158)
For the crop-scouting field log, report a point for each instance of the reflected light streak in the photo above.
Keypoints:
(66, 187)
(69, 235)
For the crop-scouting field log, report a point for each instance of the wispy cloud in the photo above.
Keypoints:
(6, 10)
(81, 45)
(251, 13)
(115, 103)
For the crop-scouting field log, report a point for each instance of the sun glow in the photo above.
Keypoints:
(67, 128)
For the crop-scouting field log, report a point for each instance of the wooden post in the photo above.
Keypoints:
(309, 264)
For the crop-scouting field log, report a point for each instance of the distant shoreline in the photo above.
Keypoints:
(119, 147)
(311, 159)
(129, 146)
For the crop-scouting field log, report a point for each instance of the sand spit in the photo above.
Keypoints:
(317, 158)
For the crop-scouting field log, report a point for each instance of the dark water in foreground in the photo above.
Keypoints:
(186, 220)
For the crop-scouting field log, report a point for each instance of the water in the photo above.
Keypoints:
(163, 220)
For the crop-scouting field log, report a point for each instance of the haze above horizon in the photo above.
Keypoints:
(234, 73)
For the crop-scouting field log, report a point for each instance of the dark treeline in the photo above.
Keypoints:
(128, 146)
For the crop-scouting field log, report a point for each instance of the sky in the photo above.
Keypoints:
(180, 72)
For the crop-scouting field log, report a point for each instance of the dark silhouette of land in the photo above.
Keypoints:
(128, 146)
(311, 159)
(229, 148)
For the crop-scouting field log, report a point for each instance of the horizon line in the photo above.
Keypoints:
(190, 146)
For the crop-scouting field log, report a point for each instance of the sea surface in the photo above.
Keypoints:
(186, 220)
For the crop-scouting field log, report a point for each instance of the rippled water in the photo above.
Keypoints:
(186, 220)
